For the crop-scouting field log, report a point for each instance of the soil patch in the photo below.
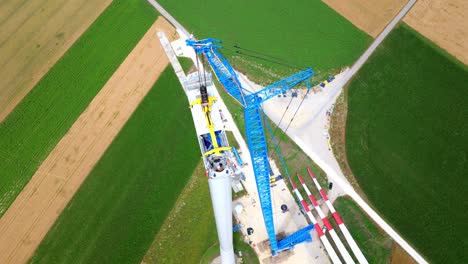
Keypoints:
(368, 15)
(34, 35)
(40, 203)
(338, 140)
(444, 22)
(399, 256)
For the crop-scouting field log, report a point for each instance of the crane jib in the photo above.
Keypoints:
(255, 130)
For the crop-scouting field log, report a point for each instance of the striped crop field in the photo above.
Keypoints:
(116, 213)
(43, 117)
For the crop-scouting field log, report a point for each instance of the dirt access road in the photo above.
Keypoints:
(443, 22)
(37, 207)
(33, 36)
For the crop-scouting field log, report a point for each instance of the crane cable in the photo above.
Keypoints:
(257, 52)
(297, 110)
(265, 120)
(204, 71)
(283, 63)
(279, 123)
(303, 98)
(278, 151)
(237, 49)
(272, 61)
(292, 119)
(266, 55)
(198, 69)
(202, 60)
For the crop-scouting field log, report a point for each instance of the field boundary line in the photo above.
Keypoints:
(365, 56)
(169, 17)
(41, 202)
(47, 50)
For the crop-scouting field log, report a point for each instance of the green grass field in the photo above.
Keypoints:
(407, 142)
(191, 227)
(118, 210)
(301, 32)
(375, 244)
(248, 253)
(186, 64)
(36, 125)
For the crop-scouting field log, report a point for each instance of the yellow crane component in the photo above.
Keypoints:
(207, 110)
(211, 99)
(217, 150)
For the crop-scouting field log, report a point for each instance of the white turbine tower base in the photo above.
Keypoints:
(221, 197)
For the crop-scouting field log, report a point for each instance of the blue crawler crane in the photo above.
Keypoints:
(253, 115)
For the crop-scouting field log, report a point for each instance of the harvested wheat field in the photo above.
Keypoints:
(33, 36)
(368, 15)
(37, 207)
(443, 22)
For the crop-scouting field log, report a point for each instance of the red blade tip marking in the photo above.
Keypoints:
(300, 178)
(304, 204)
(337, 218)
(311, 173)
(292, 183)
(325, 197)
(327, 224)
(314, 202)
(319, 230)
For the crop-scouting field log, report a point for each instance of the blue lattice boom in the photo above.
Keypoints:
(221, 67)
(255, 130)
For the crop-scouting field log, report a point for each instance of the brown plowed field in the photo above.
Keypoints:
(37, 207)
(443, 21)
(33, 36)
(368, 15)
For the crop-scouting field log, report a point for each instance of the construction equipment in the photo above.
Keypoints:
(252, 103)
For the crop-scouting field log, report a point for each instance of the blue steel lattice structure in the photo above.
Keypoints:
(255, 130)
(221, 67)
